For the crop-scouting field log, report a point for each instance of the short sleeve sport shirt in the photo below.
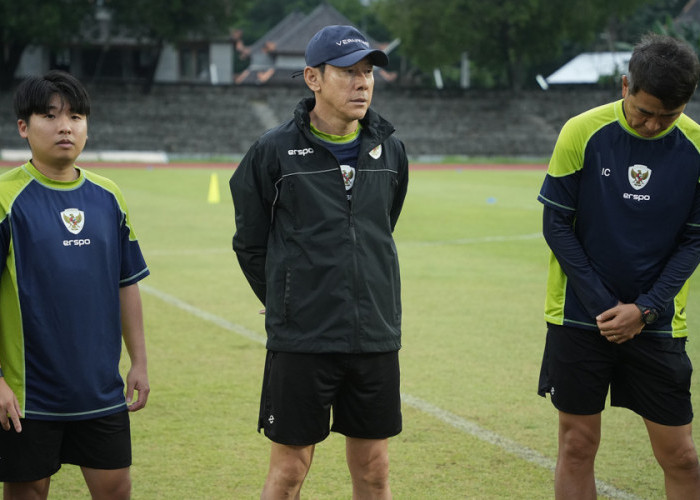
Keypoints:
(632, 199)
(65, 250)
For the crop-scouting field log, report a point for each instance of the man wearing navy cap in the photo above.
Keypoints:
(316, 202)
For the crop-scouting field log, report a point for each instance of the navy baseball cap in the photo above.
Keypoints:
(341, 46)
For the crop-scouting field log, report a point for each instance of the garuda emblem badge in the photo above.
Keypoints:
(348, 176)
(639, 176)
(73, 219)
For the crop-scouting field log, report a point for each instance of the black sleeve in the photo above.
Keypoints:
(558, 231)
(402, 187)
(252, 191)
(680, 266)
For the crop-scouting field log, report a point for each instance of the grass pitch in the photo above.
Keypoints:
(473, 268)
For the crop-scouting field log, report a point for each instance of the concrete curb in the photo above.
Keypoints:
(22, 155)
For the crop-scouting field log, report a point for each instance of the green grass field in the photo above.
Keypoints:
(473, 273)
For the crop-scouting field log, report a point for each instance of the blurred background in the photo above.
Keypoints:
(179, 79)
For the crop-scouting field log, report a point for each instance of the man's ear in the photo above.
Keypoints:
(625, 86)
(22, 128)
(312, 77)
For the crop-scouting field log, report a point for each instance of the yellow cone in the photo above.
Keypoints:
(214, 195)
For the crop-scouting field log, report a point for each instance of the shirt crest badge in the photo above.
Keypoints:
(73, 219)
(348, 176)
(376, 152)
(639, 176)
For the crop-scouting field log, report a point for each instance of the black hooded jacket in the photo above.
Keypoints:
(327, 271)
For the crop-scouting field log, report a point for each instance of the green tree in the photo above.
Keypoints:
(157, 22)
(648, 17)
(504, 37)
(37, 22)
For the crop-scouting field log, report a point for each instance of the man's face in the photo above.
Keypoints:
(645, 113)
(57, 137)
(346, 93)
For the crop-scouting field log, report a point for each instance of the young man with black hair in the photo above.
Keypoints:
(622, 219)
(70, 264)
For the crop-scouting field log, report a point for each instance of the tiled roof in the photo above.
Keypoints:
(289, 39)
(295, 40)
(690, 13)
(280, 30)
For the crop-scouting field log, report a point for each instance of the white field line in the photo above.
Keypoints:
(504, 443)
(444, 416)
(199, 313)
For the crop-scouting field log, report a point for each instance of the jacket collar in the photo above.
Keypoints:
(373, 123)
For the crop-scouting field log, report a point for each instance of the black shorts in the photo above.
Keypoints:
(648, 375)
(39, 450)
(299, 391)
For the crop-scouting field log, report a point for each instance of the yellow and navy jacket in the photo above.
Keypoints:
(622, 218)
(65, 250)
(326, 270)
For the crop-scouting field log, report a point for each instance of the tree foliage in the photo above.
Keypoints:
(650, 16)
(504, 37)
(156, 22)
(506, 40)
(58, 23)
(36, 22)
(174, 20)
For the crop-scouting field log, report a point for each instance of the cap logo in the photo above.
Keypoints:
(73, 219)
(639, 176)
(341, 46)
(351, 40)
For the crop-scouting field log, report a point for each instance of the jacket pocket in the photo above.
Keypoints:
(287, 295)
(294, 206)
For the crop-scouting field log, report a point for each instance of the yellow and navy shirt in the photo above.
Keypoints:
(633, 204)
(66, 248)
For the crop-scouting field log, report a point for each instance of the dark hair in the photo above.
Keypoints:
(34, 94)
(666, 68)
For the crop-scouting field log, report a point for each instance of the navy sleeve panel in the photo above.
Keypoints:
(133, 265)
(557, 228)
(680, 265)
(560, 193)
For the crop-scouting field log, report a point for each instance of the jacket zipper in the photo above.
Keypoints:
(355, 284)
(353, 238)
